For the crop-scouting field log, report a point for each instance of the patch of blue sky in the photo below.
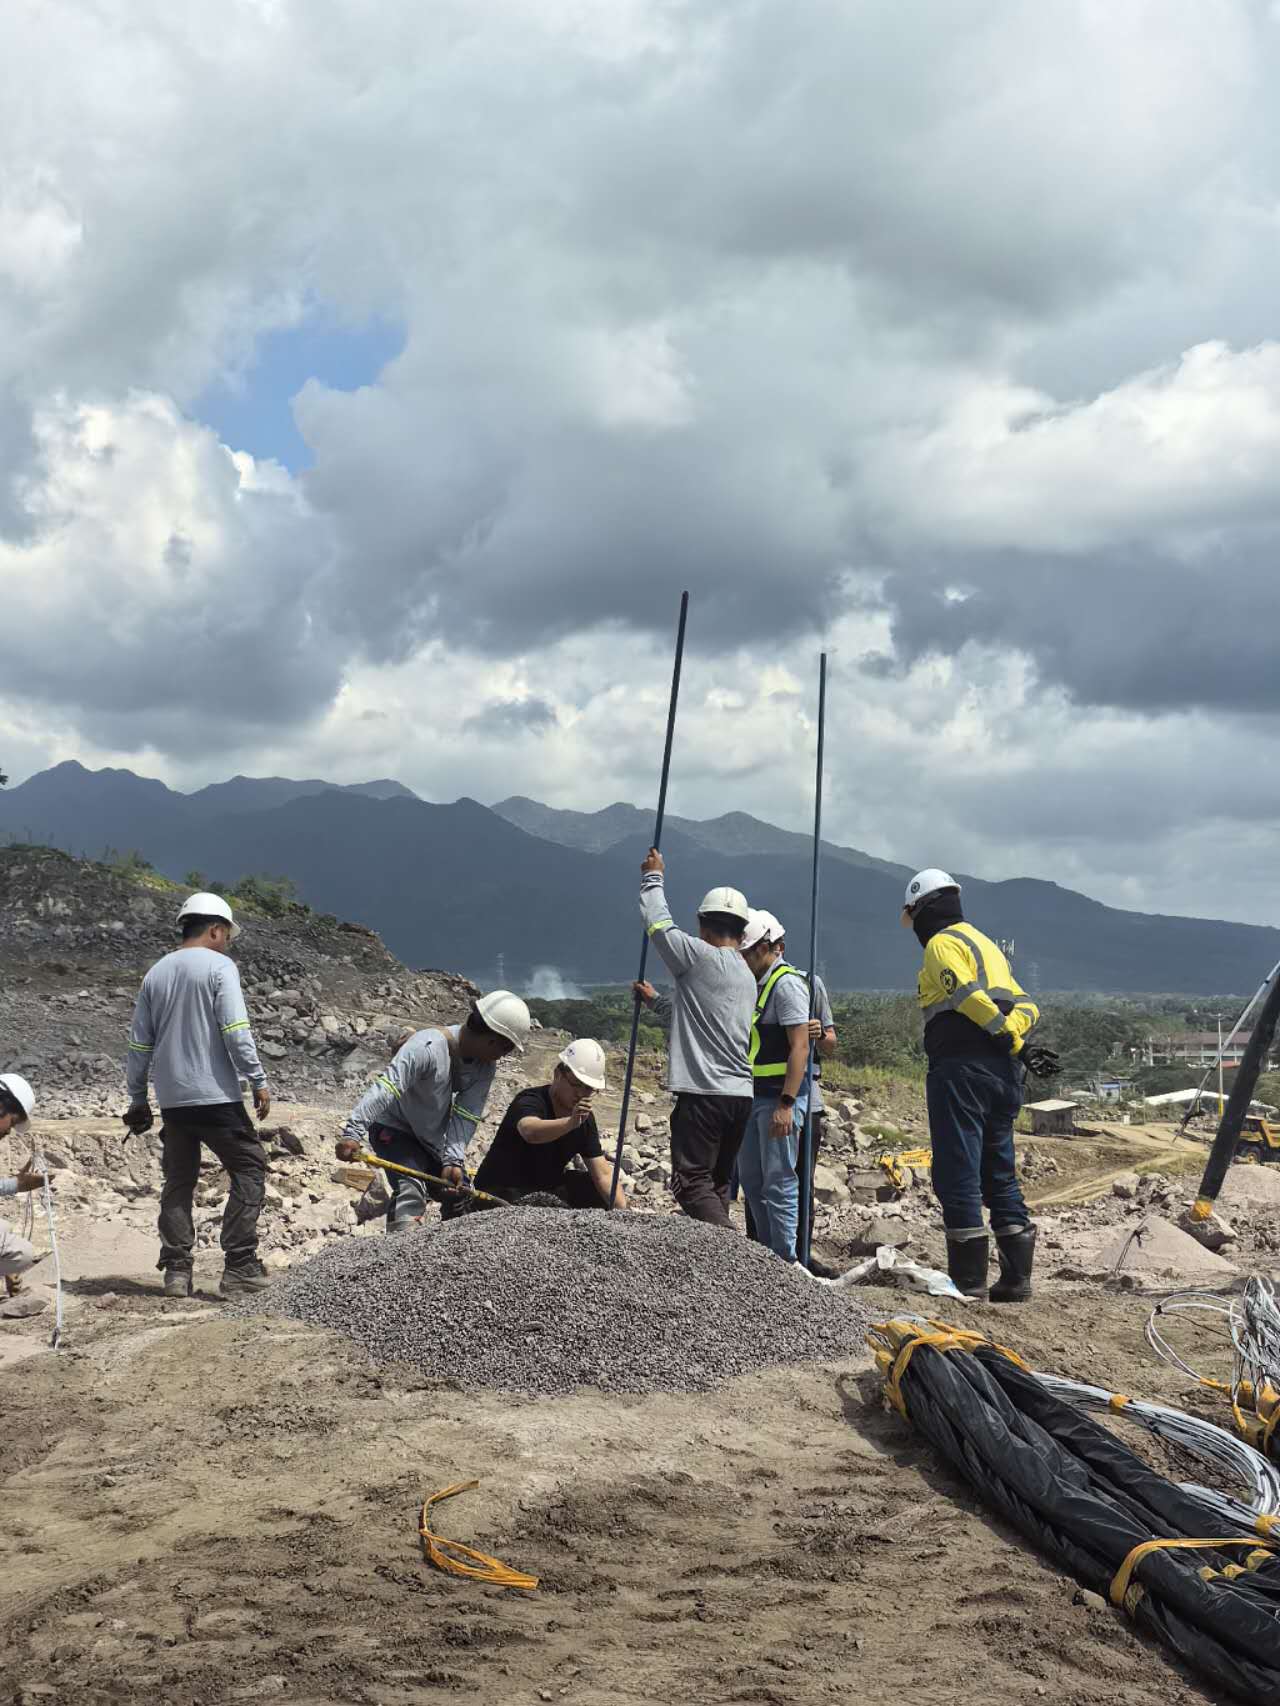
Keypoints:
(254, 410)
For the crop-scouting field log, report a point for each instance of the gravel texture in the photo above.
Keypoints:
(523, 1300)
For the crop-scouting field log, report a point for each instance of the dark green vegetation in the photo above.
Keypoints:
(879, 1037)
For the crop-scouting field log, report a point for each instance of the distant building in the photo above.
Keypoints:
(1196, 1048)
(1053, 1118)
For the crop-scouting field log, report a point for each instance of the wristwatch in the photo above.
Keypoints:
(787, 1101)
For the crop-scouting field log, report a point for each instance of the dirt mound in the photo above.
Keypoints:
(1151, 1252)
(531, 1301)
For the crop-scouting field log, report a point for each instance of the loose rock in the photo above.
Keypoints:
(528, 1300)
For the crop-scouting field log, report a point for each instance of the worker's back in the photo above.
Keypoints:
(712, 1009)
(189, 1004)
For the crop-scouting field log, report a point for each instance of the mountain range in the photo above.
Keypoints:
(500, 893)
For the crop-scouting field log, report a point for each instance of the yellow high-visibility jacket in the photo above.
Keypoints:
(965, 972)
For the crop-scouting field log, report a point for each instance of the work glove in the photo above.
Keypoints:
(1041, 1062)
(139, 1118)
(346, 1149)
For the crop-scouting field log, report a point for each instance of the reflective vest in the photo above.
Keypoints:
(964, 972)
(770, 1045)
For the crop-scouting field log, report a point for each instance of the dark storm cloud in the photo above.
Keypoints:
(1137, 628)
(512, 717)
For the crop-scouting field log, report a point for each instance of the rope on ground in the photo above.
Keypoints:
(1083, 1498)
(460, 1560)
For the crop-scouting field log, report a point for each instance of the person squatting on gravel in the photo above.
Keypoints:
(423, 1110)
(779, 1055)
(977, 1019)
(17, 1099)
(710, 1018)
(191, 1039)
(545, 1128)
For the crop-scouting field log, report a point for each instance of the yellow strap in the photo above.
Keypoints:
(1120, 1585)
(1265, 1524)
(460, 1560)
(1117, 1401)
(943, 1338)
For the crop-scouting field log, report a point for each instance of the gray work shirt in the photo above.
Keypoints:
(710, 1013)
(427, 1095)
(191, 1034)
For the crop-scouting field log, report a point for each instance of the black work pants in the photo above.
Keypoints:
(240, 1151)
(706, 1135)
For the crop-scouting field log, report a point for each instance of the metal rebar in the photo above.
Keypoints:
(808, 1139)
(644, 946)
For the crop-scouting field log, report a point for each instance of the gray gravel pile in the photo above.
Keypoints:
(524, 1300)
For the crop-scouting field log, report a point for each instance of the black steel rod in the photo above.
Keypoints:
(1259, 992)
(808, 1140)
(1252, 1061)
(644, 946)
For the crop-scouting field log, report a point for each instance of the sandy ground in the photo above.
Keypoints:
(199, 1510)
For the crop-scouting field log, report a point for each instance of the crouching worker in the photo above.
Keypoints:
(16, 1102)
(976, 1023)
(423, 1110)
(545, 1128)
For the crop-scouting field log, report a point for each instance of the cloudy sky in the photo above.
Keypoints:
(373, 379)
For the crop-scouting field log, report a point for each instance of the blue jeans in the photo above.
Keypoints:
(767, 1174)
(972, 1106)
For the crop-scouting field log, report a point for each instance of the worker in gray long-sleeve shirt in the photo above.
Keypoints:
(423, 1110)
(710, 1012)
(191, 1038)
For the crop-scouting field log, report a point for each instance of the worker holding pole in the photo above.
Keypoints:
(710, 1017)
(421, 1112)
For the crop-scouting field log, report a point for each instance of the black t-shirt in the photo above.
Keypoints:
(513, 1167)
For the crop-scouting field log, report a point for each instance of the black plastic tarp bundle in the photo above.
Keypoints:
(1088, 1502)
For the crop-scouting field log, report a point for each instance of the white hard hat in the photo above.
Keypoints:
(585, 1059)
(209, 906)
(763, 927)
(506, 1014)
(925, 883)
(20, 1090)
(731, 901)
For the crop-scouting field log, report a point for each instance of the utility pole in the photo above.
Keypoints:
(1219, 1065)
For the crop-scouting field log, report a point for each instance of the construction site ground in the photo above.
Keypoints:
(198, 1509)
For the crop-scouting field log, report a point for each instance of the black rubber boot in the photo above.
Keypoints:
(1017, 1253)
(967, 1260)
(178, 1282)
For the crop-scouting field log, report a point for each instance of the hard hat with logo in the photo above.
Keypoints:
(727, 900)
(22, 1093)
(927, 883)
(763, 927)
(209, 906)
(585, 1059)
(506, 1014)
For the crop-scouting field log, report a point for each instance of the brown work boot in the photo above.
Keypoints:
(178, 1282)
